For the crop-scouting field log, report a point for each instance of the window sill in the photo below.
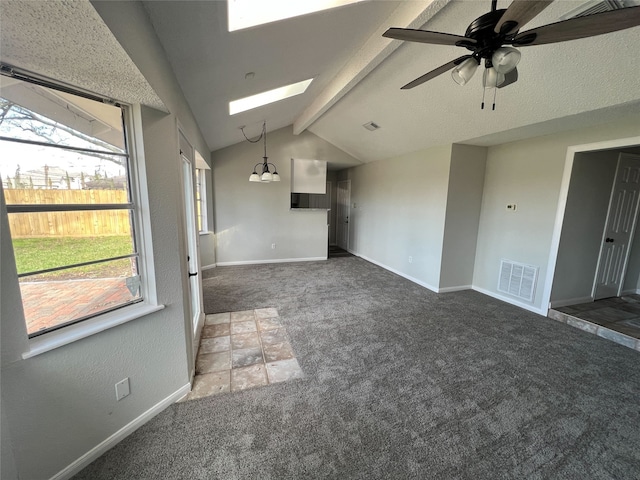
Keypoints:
(64, 336)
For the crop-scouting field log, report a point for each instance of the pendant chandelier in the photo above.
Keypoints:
(266, 175)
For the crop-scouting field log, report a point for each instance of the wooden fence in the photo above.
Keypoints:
(88, 223)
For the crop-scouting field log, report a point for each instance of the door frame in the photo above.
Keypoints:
(604, 235)
(339, 226)
(189, 224)
(562, 204)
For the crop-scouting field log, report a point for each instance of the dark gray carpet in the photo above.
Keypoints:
(399, 383)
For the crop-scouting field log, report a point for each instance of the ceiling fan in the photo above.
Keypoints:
(488, 34)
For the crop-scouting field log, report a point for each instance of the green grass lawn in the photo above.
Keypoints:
(34, 254)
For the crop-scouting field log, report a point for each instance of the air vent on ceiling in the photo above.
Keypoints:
(518, 279)
(598, 6)
(371, 126)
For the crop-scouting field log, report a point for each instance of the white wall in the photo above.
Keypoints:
(585, 215)
(250, 217)
(464, 197)
(529, 173)
(400, 212)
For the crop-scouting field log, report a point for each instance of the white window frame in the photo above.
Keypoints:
(132, 119)
(201, 192)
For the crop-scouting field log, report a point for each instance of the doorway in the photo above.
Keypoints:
(619, 229)
(343, 201)
(584, 241)
(592, 212)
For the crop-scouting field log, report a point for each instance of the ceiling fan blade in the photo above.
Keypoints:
(519, 13)
(425, 36)
(580, 27)
(434, 73)
(509, 78)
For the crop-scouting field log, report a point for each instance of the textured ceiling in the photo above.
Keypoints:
(357, 75)
(67, 41)
(210, 63)
(563, 86)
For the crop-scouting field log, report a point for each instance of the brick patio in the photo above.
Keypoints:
(46, 304)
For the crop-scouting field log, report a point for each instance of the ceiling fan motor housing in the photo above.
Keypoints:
(482, 30)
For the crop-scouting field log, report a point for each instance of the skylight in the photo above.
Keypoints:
(259, 99)
(249, 13)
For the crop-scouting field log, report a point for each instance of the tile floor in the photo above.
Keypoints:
(240, 350)
(616, 319)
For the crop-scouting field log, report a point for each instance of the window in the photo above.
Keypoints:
(201, 199)
(249, 13)
(66, 176)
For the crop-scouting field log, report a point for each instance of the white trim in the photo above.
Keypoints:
(511, 301)
(630, 292)
(459, 288)
(562, 202)
(208, 267)
(75, 467)
(86, 328)
(275, 260)
(398, 272)
(140, 190)
(569, 301)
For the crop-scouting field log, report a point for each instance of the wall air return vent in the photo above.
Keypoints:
(598, 6)
(518, 279)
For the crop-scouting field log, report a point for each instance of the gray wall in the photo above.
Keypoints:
(464, 197)
(632, 276)
(529, 173)
(250, 217)
(59, 405)
(585, 215)
(400, 212)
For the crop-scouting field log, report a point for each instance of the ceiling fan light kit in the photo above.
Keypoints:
(492, 78)
(463, 72)
(492, 36)
(505, 59)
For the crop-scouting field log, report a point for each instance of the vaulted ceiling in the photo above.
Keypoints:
(357, 73)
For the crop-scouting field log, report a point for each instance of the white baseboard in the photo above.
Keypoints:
(571, 301)
(120, 435)
(397, 272)
(208, 267)
(459, 288)
(511, 301)
(275, 260)
(631, 292)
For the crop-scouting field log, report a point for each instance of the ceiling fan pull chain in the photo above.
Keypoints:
(484, 90)
(495, 92)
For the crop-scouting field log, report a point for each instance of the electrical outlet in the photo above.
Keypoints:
(273, 246)
(410, 259)
(122, 389)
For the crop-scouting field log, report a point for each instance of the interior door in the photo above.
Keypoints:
(343, 200)
(619, 227)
